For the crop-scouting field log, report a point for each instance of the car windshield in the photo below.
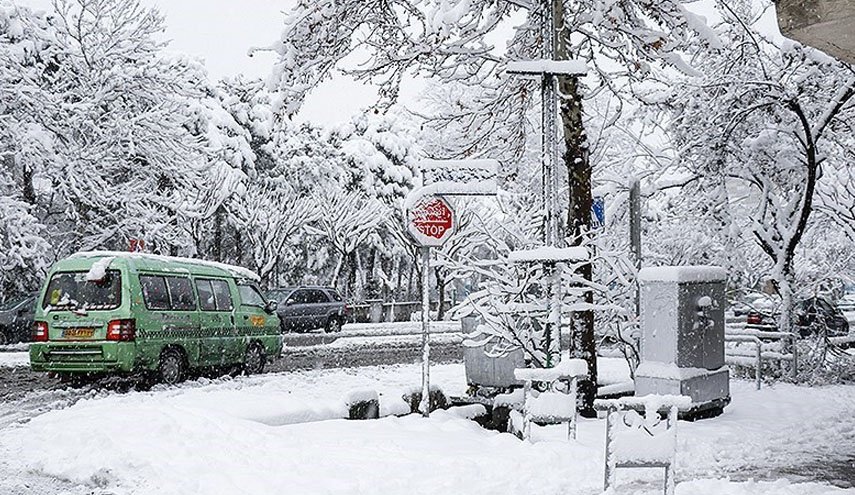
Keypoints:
(250, 296)
(279, 295)
(72, 290)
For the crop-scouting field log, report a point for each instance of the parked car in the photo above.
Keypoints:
(16, 319)
(301, 309)
(810, 315)
(157, 316)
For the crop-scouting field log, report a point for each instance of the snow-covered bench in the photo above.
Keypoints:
(634, 440)
(553, 405)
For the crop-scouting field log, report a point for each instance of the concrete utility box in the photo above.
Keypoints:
(486, 371)
(682, 336)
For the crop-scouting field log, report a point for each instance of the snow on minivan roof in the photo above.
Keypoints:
(236, 271)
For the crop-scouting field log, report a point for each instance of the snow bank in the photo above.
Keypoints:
(177, 441)
(14, 359)
(682, 274)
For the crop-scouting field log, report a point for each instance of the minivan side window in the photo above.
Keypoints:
(206, 295)
(155, 294)
(181, 293)
(222, 295)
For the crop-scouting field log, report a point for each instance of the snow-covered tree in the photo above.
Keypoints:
(346, 221)
(759, 125)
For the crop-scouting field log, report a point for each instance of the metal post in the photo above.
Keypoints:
(424, 406)
(548, 117)
(759, 365)
(607, 470)
(635, 234)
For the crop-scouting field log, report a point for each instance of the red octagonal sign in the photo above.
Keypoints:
(431, 221)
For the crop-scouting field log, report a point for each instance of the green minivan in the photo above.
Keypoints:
(157, 316)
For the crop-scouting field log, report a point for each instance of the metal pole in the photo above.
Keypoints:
(424, 406)
(635, 234)
(548, 159)
(548, 117)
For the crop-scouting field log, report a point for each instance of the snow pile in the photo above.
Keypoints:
(184, 441)
(553, 406)
(670, 371)
(14, 359)
(470, 411)
(682, 274)
(567, 368)
(361, 395)
(640, 438)
(98, 270)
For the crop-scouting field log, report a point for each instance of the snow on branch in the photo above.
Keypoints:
(538, 68)
(550, 253)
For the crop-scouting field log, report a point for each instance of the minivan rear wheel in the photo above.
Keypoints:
(254, 363)
(172, 368)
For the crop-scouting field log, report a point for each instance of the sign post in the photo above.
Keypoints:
(430, 223)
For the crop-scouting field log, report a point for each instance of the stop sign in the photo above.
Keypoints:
(431, 221)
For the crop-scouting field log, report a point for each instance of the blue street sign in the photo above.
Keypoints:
(598, 212)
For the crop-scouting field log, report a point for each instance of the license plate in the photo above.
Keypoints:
(78, 333)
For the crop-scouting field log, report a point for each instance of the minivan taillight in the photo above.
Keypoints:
(40, 331)
(121, 330)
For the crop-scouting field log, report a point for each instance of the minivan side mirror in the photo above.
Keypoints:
(271, 306)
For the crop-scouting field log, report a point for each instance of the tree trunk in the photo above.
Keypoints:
(217, 247)
(440, 290)
(576, 160)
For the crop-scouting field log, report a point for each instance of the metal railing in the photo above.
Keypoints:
(767, 346)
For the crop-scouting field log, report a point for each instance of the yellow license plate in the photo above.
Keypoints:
(78, 333)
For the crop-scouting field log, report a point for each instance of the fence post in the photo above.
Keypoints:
(758, 377)
(795, 350)
(607, 481)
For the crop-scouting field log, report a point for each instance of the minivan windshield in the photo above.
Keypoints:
(71, 290)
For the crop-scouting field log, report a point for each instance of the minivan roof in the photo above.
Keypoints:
(295, 287)
(156, 262)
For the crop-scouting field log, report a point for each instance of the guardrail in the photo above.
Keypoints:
(768, 346)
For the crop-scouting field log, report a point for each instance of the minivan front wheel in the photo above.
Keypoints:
(254, 363)
(172, 368)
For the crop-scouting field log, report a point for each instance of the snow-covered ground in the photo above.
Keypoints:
(14, 358)
(247, 435)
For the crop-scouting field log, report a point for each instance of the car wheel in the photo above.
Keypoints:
(254, 362)
(172, 368)
(4, 339)
(333, 325)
